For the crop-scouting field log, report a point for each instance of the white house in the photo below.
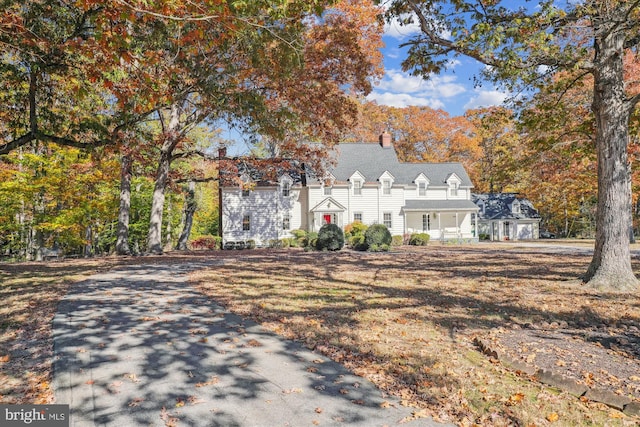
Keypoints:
(367, 184)
(506, 216)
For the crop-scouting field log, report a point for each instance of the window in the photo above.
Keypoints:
(357, 187)
(515, 207)
(386, 219)
(246, 223)
(386, 187)
(286, 189)
(357, 216)
(422, 189)
(327, 190)
(426, 222)
(286, 221)
(453, 189)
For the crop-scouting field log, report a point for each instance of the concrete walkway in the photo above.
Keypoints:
(139, 347)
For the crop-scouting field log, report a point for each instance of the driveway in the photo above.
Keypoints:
(137, 346)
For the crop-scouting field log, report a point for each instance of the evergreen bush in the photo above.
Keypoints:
(419, 239)
(330, 238)
(377, 234)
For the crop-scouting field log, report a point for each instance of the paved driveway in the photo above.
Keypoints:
(139, 347)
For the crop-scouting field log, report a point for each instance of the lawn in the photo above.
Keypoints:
(407, 321)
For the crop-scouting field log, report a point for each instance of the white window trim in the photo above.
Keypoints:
(357, 185)
(384, 214)
(386, 187)
(418, 184)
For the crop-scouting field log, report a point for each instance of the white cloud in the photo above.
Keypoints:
(486, 98)
(401, 31)
(396, 81)
(401, 100)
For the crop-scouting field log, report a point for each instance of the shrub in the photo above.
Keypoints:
(419, 239)
(377, 234)
(284, 243)
(330, 238)
(397, 240)
(251, 244)
(356, 228)
(358, 243)
(275, 243)
(299, 237)
(207, 242)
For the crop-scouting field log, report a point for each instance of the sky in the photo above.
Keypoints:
(452, 91)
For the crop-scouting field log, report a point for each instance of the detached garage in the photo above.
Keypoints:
(505, 216)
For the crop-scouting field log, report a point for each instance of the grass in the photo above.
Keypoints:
(407, 320)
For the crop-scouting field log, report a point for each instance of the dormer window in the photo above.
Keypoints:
(421, 182)
(286, 189)
(386, 187)
(357, 187)
(422, 189)
(515, 207)
(453, 189)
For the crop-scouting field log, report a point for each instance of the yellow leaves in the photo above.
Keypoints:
(514, 399)
(212, 381)
(553, 417)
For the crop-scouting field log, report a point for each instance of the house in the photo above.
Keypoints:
(368, 183)
(506, 216)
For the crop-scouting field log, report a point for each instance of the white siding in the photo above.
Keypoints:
(266, 206)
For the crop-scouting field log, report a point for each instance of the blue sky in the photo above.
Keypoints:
(453, 91)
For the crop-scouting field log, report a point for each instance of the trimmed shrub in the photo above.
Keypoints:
(397, 240)
(251, 244)
(330, 238)
(358, 243)
(377, 234)
(419, 239)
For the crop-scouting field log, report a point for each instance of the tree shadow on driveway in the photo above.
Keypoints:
(138, 346)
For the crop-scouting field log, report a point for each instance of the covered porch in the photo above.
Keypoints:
(442, 219)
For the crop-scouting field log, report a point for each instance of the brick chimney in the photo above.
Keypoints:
(385, 139)
(222, 152)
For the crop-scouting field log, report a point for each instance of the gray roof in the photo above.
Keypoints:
(499, 206)
(439, 205)
(372, 160)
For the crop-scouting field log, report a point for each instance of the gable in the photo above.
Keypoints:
(327, 205)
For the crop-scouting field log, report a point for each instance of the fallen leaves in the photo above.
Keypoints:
(211, 381)
(552, 417)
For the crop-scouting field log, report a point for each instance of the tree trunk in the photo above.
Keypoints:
(122, 244)
(171, 139)
(610, 268)
(189, 210)
(154, 237)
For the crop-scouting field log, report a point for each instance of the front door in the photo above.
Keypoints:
(326, 219)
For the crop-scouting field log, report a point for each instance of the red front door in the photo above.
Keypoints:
(326, 219)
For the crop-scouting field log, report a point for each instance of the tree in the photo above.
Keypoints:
(500, 165)
(522, 46)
